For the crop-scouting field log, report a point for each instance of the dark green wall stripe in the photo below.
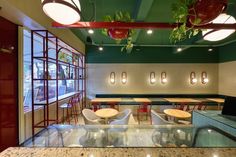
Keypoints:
(227, 53)
(161, 55)
(150, 55)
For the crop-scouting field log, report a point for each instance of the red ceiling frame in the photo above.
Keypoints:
(139, 25)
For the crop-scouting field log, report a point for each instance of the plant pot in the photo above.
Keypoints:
(117, 33)
(206, 10)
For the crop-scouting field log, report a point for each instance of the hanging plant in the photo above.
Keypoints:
(119, 34)
(190, 13)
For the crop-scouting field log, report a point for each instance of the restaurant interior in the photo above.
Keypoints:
(101, 78)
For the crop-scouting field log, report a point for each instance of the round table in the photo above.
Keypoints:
(180, 114)
(106, 113)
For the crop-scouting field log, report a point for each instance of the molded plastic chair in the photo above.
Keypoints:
(158, 120)
(90, 118)
(123, 119)
(163, 135)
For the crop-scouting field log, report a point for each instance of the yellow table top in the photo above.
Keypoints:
(106, 100)
(177, 113)
(142, 100)
(179, 100)
(218, 100)
(106, 112)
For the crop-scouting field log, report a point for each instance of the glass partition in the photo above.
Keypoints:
(131, 136)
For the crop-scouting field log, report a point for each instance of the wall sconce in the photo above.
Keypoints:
(152, 78)
(112, 77)
(124, 77)
(193, 78)
(204, 78)
(163, 78)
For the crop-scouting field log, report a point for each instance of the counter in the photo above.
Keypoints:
(119, 152)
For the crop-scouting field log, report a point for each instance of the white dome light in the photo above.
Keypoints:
(216, 35)
(62, 11)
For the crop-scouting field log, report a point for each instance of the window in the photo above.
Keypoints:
(62, 77)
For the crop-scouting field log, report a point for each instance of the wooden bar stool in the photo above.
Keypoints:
(66, 106)
(144, 108)
(69, 111)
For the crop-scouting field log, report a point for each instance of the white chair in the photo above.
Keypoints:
(158, 120)
(122, 119)
(90, 118)
(90, 139)
(161, 135)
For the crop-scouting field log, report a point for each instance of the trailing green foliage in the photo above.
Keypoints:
(180, 11)
(120, 16)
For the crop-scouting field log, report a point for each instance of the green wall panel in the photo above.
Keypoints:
(150, 55)
(227, 53)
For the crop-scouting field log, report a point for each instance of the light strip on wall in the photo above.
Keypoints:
(152, 78)
(124, 77)
(204, 78)
(163, 78)
(193, 78)
(112, 77)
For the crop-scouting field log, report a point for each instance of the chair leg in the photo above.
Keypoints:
(138, 117)
(74, 113)
(67, 115)
(63, 115)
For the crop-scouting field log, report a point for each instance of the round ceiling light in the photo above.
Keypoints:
(216, 35)
(62, 11)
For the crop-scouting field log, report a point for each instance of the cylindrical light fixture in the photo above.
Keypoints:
(204, 78)
(62, 11)
(152, 78)
(163, 78)
(112, 78)
(193, 78)
(216, 35)
(124, 77)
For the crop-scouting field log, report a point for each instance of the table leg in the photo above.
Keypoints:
(219, 106)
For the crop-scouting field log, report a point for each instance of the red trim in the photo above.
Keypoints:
(139, 25)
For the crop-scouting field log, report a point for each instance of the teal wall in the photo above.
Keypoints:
(112, 54)
(150, 55)
(227, 53)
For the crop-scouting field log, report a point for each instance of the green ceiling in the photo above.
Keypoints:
(141, 10)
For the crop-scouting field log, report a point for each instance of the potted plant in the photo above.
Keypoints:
(190, 13)
(206, 10)
(119, 34)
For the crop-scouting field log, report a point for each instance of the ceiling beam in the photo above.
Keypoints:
(139, 25)
(141, 11)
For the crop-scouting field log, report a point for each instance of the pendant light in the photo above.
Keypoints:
(62, 11)
(216, 35)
